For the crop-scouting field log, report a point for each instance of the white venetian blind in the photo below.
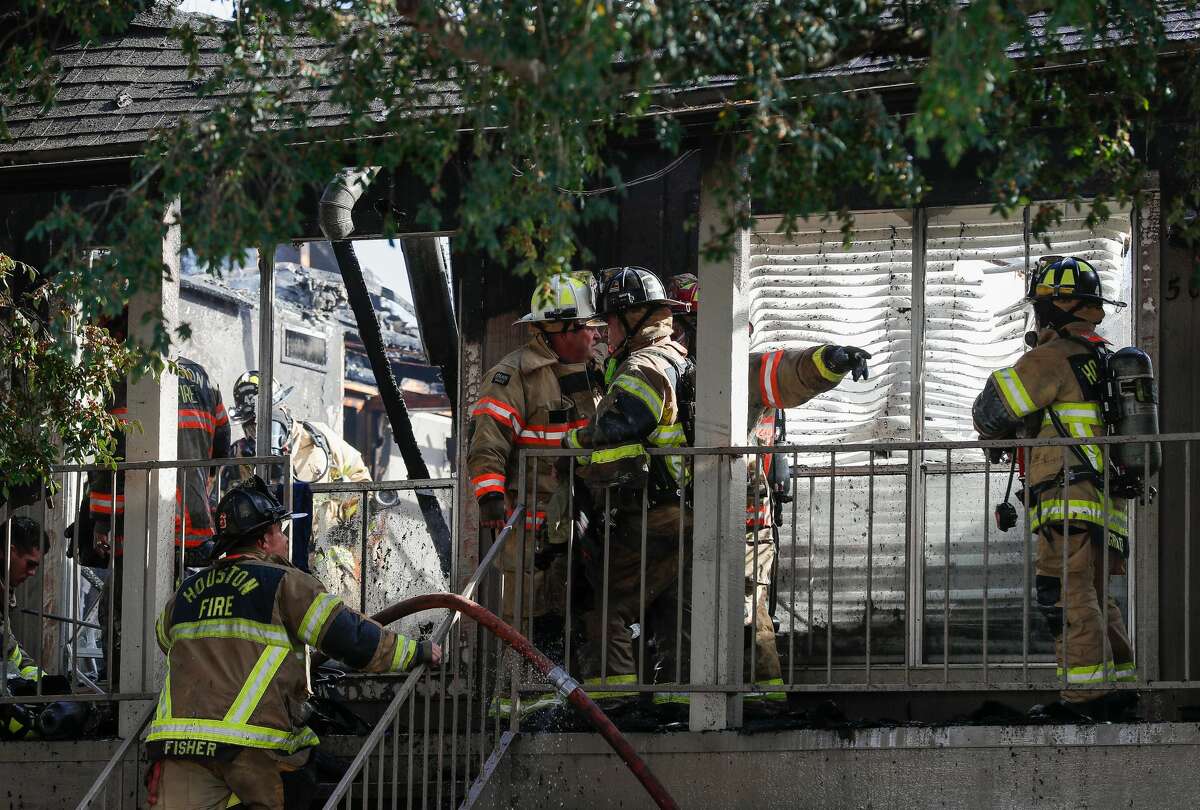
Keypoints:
(809, 288)
(975, 316)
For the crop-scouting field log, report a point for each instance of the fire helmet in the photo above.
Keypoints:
(245, 397)
(685, 290)
(245, 511)
(564, 297)
(1066, 278)
(622, 288)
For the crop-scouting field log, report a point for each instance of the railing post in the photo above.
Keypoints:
(146, 574)
(718, 553)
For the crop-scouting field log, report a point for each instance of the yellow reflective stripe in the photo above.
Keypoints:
(597, 687)
(612, 454)
(164, 640)
(611, 679)
(1013, 390)
(671, 435)
(245, 629)
(818, 359)
(643, 391)
(31, 673)
(256, 685)
(1083, 511)
(1087, 413)
(315, 617)
(1079, 423)
(1100, 673)
(219, 731)
(572, 439)
(1125, 673)
(403, 655)
(679, 469)
(164, 700)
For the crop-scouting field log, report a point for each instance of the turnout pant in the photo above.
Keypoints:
(760, 650)
(613, 649)
(254, 776)
(1096, 649)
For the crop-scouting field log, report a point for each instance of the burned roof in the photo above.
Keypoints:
(114, 94)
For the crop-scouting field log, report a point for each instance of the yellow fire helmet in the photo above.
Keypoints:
(561, 298)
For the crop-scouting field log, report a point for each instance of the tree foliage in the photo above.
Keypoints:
(524, 105)
(57, 377)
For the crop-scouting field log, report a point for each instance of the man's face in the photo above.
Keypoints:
(23, 564)
(275, 541)
(574, 346)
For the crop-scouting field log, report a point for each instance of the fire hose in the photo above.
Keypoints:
(563, 683)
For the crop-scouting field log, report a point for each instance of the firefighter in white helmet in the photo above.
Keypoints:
(531, 398)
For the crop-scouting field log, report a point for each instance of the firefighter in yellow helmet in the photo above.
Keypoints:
(1053, 390)
(786, 378)
(530, 399)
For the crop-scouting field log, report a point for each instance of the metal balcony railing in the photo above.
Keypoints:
(890, 573)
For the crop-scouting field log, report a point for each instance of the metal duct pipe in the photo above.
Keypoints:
(337, 203)
(337, 222)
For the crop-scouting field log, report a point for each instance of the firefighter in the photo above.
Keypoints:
(230, 718)
(1054, 390)
(648, 404)
(780, 379)
(203, 433)
(531, 398)
(318, 456)
(20, 671)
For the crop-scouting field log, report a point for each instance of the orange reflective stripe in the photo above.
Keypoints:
(102, 503)
(768, 378)
(531, 522)
(758, 517)
(502, 412)
(488, 482)
(548, 435)
(194, 419)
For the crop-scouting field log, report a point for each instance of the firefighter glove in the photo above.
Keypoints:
(491, 511)
(843, 359)
(429, 654)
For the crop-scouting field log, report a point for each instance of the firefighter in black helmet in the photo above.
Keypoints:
(1054, 390)
(230, 719)
(647, 404)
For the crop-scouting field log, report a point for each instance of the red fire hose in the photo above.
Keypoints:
(563, 682)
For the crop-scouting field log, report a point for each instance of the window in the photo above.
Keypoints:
(938, 316)
(304, 348)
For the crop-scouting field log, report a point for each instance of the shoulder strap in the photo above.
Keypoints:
(322, 444)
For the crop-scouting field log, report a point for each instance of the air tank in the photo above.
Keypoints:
(1136, 395)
